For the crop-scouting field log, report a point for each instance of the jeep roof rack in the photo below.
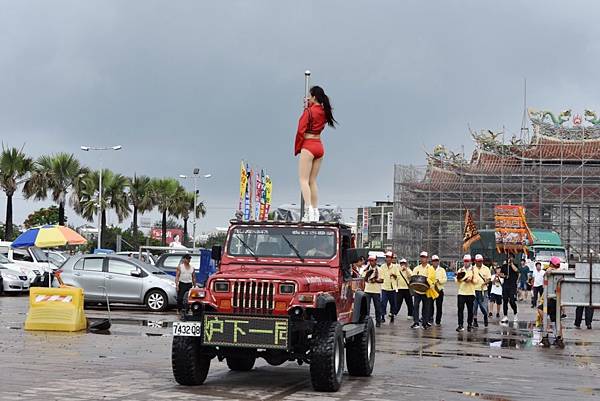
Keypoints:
(291, 223)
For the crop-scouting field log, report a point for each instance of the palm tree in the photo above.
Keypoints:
(140, 197)
(14, 165)
(114, 196)
(56, 173)
(184, 206)
(164, 193)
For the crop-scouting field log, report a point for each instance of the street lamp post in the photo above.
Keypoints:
(87, 149)
(195, 177)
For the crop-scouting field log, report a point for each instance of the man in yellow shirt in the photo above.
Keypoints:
(480, 299)
(373, 288)
(425, 298)
(440, 281)
(403, 289)
(467, 280)
(389, 273)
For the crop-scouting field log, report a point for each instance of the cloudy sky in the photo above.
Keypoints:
(184, 84)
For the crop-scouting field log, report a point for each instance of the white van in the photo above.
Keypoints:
(32, 260)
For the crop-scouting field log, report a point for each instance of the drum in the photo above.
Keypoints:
(460, 275)
(419, 284)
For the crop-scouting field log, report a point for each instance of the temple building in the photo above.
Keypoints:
(554, 172)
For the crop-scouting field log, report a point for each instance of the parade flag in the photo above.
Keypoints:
(262, 196)
(243, 184)
(248, 194)
(471, 233)
(268, 192)
(257, 197)
(512, 232)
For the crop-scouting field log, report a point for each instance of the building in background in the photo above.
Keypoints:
(374, 225)
(554, 173)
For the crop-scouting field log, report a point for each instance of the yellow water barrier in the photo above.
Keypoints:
(56, 309)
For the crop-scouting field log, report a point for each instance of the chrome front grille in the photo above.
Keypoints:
(253, 295)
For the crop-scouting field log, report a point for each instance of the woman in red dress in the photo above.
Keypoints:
(316, 115)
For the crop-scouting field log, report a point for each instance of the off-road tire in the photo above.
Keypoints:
(190, 367)
(360, 351)
(241, 364)
(327, 356)
(150, 301)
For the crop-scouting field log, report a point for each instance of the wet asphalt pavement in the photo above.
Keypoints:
(133, 362)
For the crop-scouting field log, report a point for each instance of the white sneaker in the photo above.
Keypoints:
(504, 319)
(307, 215)
(516, 319)
(316, 215)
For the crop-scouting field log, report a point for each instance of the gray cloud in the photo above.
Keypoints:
(189, 83)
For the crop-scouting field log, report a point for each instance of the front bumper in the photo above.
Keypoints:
(15, 285)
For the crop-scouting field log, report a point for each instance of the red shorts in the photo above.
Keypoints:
(314, 146)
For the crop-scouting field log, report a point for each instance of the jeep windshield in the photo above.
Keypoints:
(289, 242)
(544, 255)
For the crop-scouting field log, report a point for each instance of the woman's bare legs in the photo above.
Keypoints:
(312, 182)
(305, 166)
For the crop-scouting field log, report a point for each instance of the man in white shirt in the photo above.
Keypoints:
(496, 291)
(538, 283)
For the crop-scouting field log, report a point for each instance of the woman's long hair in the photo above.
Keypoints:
(322, 98)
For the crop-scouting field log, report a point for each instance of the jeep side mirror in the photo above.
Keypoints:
(216, 252)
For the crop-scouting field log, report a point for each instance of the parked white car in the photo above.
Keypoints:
(32, 260)
(13, 279)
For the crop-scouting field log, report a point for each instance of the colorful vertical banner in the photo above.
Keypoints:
(248, 194)
(243, 185)
(268, 194)
(471, 233)
(257, 196)
(365, 225)
(261, 212)
(512, 232)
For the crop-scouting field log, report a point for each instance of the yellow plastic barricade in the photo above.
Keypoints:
(56, 309)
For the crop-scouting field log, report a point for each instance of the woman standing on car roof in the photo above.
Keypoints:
(185, 279)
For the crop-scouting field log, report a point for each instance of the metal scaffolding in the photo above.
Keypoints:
(555, 174)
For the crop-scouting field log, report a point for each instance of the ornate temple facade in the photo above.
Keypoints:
(554, 172)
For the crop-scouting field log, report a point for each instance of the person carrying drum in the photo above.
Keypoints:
(440, 281)
(373, 288)
(468, 280)
(403, 294)
(426, 297)
(389, 273)
(480, 299)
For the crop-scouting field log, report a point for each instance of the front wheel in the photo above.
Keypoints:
(360, 351)
(156, 301)
(190, 366)
(241, 364)
(327, 356)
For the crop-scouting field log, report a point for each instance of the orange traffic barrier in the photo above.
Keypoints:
(56, 309)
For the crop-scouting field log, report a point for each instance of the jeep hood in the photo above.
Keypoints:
(308, 279)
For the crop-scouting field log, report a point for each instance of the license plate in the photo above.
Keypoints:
(187, 329)
(246, 331)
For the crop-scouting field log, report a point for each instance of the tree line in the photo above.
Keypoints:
(62, 178)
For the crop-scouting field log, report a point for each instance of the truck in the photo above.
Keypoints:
(546, 243)
(285, 291)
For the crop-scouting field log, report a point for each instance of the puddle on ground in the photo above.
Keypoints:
(483, 396)
(442, 354)
(143, 322)
(125, 333)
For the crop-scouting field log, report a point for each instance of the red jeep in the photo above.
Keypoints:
(284, 292)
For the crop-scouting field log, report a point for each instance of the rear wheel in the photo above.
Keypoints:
(241, 364)
(327, 356)
(156, 301)
(360, 351)
(190, 366)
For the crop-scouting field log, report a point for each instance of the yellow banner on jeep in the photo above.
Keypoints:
(56, 309)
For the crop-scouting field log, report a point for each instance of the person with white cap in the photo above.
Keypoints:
(467, 281)
(425, 298)
(440, 281)
(404, 290)
(373, 288)
(480, 299)
(389, 273)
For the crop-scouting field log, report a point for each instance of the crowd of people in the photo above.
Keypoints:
(394, 283)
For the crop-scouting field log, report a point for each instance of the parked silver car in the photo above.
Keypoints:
(126, 280)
